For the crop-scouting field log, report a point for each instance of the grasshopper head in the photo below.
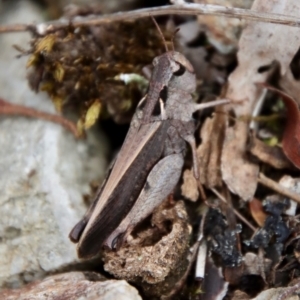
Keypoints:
(183, 77)
(172, 69)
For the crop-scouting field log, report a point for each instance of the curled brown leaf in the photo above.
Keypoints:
(291, 135)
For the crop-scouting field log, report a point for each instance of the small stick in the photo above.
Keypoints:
(202, 250)
(273, 185)
(200, 106)
(234, 210)
(183, 9)
(7, 108)
(201, 190)
(201, 261)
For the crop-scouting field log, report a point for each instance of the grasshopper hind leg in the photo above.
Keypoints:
(78, 229)
(160, 183)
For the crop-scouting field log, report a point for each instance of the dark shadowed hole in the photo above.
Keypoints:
(295, 65)
(231, 119)
(251, 284)
(263, 69)
(273, 68)
(156, 234)
(115, 133)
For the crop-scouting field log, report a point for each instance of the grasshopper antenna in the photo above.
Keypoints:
(173, 37)
(161, 34)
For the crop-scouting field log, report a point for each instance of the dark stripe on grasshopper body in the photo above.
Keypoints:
(126, 190)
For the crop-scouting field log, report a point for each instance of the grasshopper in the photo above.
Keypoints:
(151, 159)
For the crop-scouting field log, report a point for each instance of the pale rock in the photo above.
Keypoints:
(74, 285)
(44, 171)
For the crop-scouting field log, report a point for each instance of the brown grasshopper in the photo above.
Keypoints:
(150, 161)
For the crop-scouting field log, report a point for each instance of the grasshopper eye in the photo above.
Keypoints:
(181, 70)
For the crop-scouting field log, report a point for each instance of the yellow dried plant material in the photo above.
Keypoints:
(58, 103)
(59, 72)
(33, 60)
(82, 64)
(92, 114)
(80, 127)
(126, 104)
(46, 43)
(47, 86)
(272, 141)
(77, 85)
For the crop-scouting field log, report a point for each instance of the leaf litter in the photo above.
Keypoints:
(249, 232)
(232, 154)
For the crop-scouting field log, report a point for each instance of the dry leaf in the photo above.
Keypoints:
(189, 188)
(257, 212)
(223, 32)
(290, 85)
(259, 46)
(272, 155)
(238, 172)
(209, 152)
(291, 136)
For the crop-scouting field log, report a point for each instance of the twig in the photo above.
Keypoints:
(7, 108)
(234, 210)
(201, 190)
(178, 9)
(201, 261)
(277, 187)
(201, 250)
